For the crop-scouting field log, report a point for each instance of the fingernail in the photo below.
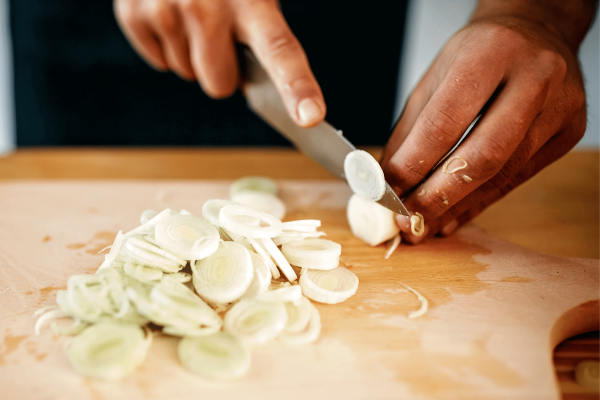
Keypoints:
(450, 227)
(308, 111)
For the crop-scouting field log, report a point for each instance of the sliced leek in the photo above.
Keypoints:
(109, 350)
(147, 216)
(253, 184)
(370, 221)
(228, 221)
(211, 209)
(298, 315)
(280, 259)
(309, 334)
(265, 256)
(364, 175)
(286, 294)
(142, 273)
(264, 202)
(262, 277)
(330, 287)
(417, 224)
(313, 253)
(220, 355)
(186, 236)
(254, 321)
(225, 275)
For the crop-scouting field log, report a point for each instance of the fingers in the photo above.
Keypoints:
(495, 150)
(139, 34)
(164, 19)
(262, 26)
(555, 148)
(212, 53)
(513, 174)
(462, 93)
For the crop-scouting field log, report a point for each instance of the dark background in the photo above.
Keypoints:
(78, 82)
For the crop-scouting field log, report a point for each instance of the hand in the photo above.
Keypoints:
(195, 39)
(537, 114)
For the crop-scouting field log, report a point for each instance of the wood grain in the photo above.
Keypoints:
(557, 211)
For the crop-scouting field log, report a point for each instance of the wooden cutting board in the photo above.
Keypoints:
(496, 310)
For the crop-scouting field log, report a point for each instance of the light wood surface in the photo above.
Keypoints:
(556, 212)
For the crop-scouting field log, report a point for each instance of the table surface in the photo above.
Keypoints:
(556, 212)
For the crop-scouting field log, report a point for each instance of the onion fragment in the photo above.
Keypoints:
(424, 303)
(220, 355)
(587, 374)
(417, 224)
(186, 236)
(309, 334)
(392, 246)
(364, 175)
(225, 275)
(330, 287)
(228, 221)
(253, 184)
(370, 221)
(453, 170)
(109, 350)
(264, 202)
(313, 253)
(254, 321)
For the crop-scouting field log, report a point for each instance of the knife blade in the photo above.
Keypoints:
(323, 143)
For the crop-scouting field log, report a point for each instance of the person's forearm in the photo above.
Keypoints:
(570, 19)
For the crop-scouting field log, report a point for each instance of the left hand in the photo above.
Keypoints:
(537, 115)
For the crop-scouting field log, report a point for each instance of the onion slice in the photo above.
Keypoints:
(298, 315)
(253, 184)
(330, 287)
(211, 209)
(264, 202)
(370, 221)
(186, 236)
(109, 350)
(364, 175)
(228, 221)
(220, 355)
(286, 294)
(309, 334)
(225, 275)
(313, 253)
(262, 276)
(254, 321)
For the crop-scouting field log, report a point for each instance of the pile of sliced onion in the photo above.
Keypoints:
(178, 273)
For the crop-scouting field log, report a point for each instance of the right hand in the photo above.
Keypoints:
(196, 40)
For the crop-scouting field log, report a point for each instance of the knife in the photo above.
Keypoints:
(323, 143)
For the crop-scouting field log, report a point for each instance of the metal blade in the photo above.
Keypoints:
(323, 143)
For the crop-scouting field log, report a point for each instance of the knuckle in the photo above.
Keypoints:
(487, 158)
(281, 43)
(162, 17)
(504, 35)
(442, 127)
(436, 203)
(299, 83)
(401, 173)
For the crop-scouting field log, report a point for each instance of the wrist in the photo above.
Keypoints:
(567, 20)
